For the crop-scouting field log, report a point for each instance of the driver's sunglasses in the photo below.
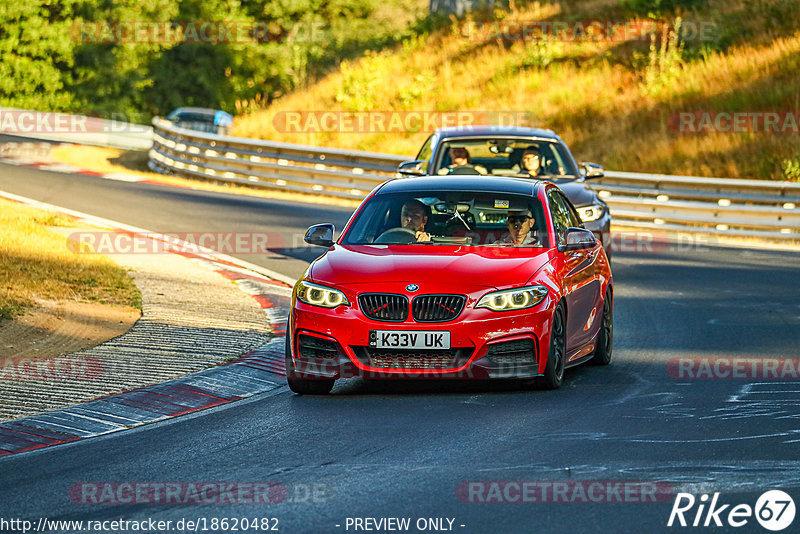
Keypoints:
(519, 218)
(533, 156)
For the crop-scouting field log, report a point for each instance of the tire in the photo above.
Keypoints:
(556, 356)
(605, 338)
(305, 386)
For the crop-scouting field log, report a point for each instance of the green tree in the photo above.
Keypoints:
(36, 54)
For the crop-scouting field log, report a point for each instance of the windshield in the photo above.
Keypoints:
(450, 218)
(504, 157)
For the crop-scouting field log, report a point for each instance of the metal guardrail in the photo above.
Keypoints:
(734, 207)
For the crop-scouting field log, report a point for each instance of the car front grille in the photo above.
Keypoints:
(522, 351)
(437, 308)
(412, 359)
(384, 306)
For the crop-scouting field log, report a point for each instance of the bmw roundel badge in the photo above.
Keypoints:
(412, 287)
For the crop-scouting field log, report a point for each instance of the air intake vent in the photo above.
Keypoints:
(384, 306)
(520, 352)
(437, 308)
(312, 347)
(413, 359)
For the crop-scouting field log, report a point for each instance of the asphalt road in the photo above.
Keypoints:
(404, 449)
(176, 210)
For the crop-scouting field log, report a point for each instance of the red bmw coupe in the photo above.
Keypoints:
(453, 277)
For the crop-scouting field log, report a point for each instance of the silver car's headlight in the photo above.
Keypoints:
(319, 295)
(590, 213)
(513, 299)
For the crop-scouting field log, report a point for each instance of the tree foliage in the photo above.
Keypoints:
(53, 54)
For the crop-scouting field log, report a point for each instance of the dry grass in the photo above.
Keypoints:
(36, 264)
(611, 101)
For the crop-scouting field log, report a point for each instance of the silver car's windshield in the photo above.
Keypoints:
(451, 218)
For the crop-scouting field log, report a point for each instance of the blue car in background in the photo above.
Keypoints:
(202, 119)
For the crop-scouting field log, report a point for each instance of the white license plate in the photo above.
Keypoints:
(405, 339)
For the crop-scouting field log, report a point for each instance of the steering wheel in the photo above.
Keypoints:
(396, 236)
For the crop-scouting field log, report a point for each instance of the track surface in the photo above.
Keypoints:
(402, 450)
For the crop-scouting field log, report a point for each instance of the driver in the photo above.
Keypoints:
(531, 162)
(413, 216)
(461, 163)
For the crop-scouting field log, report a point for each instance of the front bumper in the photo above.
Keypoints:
(332, 344)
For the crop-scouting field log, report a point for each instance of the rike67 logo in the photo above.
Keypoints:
(774, 510)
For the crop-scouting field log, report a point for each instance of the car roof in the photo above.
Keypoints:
(519, 186)
(494, 131)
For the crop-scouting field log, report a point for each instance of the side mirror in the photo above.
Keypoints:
(320, 234)
(411, 168)
(592, 170)
(579, 239)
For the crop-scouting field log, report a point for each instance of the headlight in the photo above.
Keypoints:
(513, 299)
(590, 213)
(317, 295)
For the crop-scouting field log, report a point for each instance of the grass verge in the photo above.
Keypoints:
(36, 264)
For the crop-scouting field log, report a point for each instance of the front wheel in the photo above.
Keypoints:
(554, 369)
(605, 338)
(305, 386)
